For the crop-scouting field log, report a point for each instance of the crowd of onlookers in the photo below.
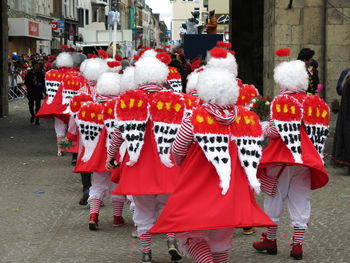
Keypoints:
(18, 67)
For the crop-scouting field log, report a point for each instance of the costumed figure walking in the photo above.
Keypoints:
(95, 121)
(58, 96)
(292, 164)
(148, 119)
(219, 148)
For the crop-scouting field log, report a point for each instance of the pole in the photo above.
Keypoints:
(115, 36)
(4, 106)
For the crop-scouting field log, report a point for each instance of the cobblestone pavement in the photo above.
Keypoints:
(41, 221)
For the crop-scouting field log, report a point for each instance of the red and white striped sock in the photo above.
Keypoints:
(146, 242)
(271, 233)
(170, 235)
(200, 252)
(95, 205)
(220, 257)
(117, 207)
(298, 236)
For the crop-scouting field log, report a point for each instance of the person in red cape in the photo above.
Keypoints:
(143, 136)
(292, 163)
(52, 105)
(218, 147)
(95, 121)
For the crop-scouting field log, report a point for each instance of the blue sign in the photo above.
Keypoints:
(168, 32)
(60, 24)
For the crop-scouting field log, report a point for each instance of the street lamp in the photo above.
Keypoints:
(113, 19)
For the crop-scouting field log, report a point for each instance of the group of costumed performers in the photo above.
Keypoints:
(190, 163)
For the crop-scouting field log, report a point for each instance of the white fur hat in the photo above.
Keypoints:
(64, 60)
(192, 80)
(291, 75)
(221, 58)
(149, 53)
(150, 70)
(216, 85)
(93, 68)
(127, 81)
(108, 84)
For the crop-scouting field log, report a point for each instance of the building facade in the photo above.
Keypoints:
(29, 29)
(222, 13)
(182, 11)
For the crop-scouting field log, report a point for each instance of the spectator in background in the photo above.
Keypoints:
(187, 69)
(341, 80)
(341, 145)
(176, 63)
(306, 55)
(212, 24)
(35, 83)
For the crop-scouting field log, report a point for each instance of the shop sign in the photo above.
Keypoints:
(54, 25)
(222, 18)
(33, 28)
(61, 24)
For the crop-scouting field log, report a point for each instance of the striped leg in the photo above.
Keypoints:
(146, 242)
(271, 233)
(95, 205)
(170, 235)
(117, 207)
(298, 236)
(220, 257)
(200, 252)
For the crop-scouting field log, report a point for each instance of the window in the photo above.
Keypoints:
(80, 17)
(86, 16)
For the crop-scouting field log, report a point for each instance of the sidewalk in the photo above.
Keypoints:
(41, 221)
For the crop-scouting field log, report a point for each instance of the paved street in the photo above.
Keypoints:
(41, 221)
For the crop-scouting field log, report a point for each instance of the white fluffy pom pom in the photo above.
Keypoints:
(217, 86)
(292, 76)
(108, 84)
(64, 60)
(94, 67)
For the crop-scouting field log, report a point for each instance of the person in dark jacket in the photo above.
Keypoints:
(306, 55)
(341, 146)
(35, 82)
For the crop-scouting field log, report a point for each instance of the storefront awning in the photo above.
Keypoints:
(23, 27)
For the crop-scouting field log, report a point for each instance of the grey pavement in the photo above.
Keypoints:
(41, 221)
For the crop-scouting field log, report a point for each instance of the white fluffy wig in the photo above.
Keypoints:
(229, 63)
(64, 60)
(151, 53)
(217, 86)
(291, 75)
(108, 84)
(150, 70)
(127, 81)
(93, 68)
(192, 81)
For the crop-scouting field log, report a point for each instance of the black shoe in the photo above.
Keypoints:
(32, 119)
(37, 121)
(174, 250)
(84, 199)
(146, 257)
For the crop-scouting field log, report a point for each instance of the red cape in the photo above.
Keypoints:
(149, 175)
(97, 161)
(55, 109)
(197, 202)
(277, 153)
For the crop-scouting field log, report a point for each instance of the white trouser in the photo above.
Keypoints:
(293, 187)
(147, 210)
(218, 240)
(60, 128)
(101, 185)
